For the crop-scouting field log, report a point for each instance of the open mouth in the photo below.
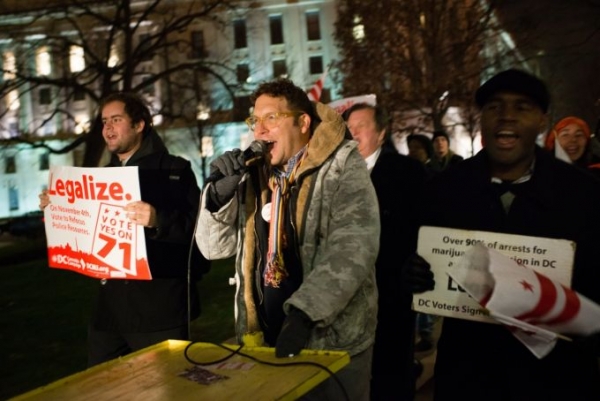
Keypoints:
(506, 138)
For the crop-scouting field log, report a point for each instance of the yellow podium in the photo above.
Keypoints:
(155, 374)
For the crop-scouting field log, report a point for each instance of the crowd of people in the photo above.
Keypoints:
(324, 230)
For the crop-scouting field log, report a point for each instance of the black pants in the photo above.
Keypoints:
(106, 345)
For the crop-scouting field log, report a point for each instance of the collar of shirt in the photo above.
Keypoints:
(524, 178)
(290, 164)
(372, 159)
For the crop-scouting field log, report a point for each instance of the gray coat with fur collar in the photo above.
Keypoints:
(337, 224)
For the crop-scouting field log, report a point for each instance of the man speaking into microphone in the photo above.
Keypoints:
(303, 223)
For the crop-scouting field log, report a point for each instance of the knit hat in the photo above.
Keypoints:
(516, 81)
(438, 133)
(551, 137)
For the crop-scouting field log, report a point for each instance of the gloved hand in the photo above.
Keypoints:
(416, 275)
(294, 334)
(231, 165)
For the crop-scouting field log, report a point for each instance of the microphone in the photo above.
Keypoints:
(254, 152)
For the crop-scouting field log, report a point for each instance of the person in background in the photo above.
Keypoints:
(304, 225)
(133, 314)
(420, 148)
(571, 140)
(513, 186)
(397, 180)
(443, 156)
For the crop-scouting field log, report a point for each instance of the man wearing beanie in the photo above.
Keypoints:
(513, 186)
(443, 157)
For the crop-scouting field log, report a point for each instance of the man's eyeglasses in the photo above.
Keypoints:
(270, 120)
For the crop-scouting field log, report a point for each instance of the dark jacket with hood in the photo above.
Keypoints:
(168, 184)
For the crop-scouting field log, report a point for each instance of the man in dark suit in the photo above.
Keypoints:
(512, 186)
(397, 180)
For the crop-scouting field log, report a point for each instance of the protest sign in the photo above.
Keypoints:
(444, 247)
(87, 229)
(342, 105)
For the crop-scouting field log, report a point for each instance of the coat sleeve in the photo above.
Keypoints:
(347, 243)
(216, 233)
(177, 217)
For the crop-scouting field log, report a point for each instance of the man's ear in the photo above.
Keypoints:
(381, 136)
(304, 122)
(139, 127)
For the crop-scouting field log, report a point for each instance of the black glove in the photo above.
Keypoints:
(416, 275)
(294, 334)
(231, 165)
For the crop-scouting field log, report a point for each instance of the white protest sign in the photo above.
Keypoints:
(443, 248)
(342, 105)
(87, 230)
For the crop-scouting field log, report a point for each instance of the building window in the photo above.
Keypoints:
(78, 94)
(113, 59)
(147, 86)
(45, 98)
(12, 100)
(276, 25)
(197, 42)
(279, 68)
(42, 61)
(315, 64)
(241, 108)
(10, 166)
(144, 44)
(76, 58)
(13, 128)
(358, 30)
(312, 25)
(44, 161)
(239, 34)
(9, 65)
(243, 73)
(13, 198)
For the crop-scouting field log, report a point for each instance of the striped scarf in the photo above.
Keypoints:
(280, 183)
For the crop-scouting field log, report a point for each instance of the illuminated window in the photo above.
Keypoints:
(313, 27)
(113, 60)
(76, 58)
(42, 61)
(358, 30)
(9, 65)
(12, 100)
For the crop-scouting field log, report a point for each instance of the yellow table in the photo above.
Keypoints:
(154, 374)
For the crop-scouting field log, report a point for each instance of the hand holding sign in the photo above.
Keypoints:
(536, 308)
(141, 213)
